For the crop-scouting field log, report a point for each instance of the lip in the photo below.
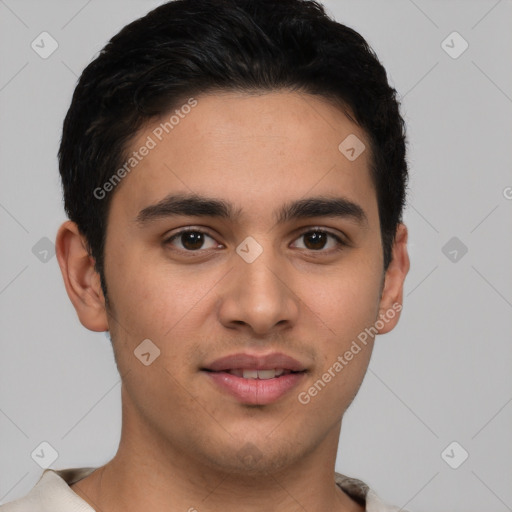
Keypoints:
(255, 362)
(255, 391)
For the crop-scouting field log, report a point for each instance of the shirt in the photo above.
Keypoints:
(52, 493)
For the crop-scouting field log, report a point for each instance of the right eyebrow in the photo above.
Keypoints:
(191, 205)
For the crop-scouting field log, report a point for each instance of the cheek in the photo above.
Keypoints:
(347, 301)
(346, 308)
(343, 347)
(151, 296)
(330, 392)
(155, 306)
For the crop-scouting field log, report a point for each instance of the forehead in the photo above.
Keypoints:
(255, 149)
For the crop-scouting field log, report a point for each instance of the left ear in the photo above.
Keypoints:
(392, 293)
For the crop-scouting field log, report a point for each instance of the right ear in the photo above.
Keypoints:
(81, 280)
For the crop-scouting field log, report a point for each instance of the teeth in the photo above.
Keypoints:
(266, 374)
(258, 374)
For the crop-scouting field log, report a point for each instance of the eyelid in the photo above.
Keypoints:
(188, 229)
(341, 236)
(341, 240)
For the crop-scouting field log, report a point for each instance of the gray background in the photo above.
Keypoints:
(443, 375)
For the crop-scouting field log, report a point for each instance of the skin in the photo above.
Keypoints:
(182, 438)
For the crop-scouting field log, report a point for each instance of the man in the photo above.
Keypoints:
(234, 174)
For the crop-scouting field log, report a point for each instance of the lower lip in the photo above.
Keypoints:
(256, 391)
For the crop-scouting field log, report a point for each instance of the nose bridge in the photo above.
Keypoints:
(257, 295)
(261, 274)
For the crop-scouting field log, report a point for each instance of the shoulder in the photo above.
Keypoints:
(52, 493)
(361, 492)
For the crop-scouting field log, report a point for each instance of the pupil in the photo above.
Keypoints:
(192, 240)
(318, 240)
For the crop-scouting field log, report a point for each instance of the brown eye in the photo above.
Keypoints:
(316, 240)
(190, 240)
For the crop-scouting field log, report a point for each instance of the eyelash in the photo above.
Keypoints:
(341, 244)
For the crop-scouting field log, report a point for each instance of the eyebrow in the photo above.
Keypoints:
(194, 205)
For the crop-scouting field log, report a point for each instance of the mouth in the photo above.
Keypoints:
(249, 373)
(255, 380)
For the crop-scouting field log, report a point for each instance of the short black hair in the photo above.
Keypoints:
(187, 47)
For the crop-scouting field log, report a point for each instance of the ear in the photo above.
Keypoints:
(81, 280)
(392, 293)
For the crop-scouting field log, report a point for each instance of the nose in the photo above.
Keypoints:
(259, 295)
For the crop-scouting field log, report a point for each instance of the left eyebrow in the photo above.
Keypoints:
(337, 207)
(194, 205)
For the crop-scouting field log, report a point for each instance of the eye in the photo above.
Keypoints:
(317, 239)
(191, 240)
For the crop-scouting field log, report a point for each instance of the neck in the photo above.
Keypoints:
(150, 473)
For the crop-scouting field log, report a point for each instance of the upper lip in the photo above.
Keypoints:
(275, 360)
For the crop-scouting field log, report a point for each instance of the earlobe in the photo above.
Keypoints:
(81, 280)
(392, 294)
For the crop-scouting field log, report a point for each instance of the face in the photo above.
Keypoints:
(259, 273)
